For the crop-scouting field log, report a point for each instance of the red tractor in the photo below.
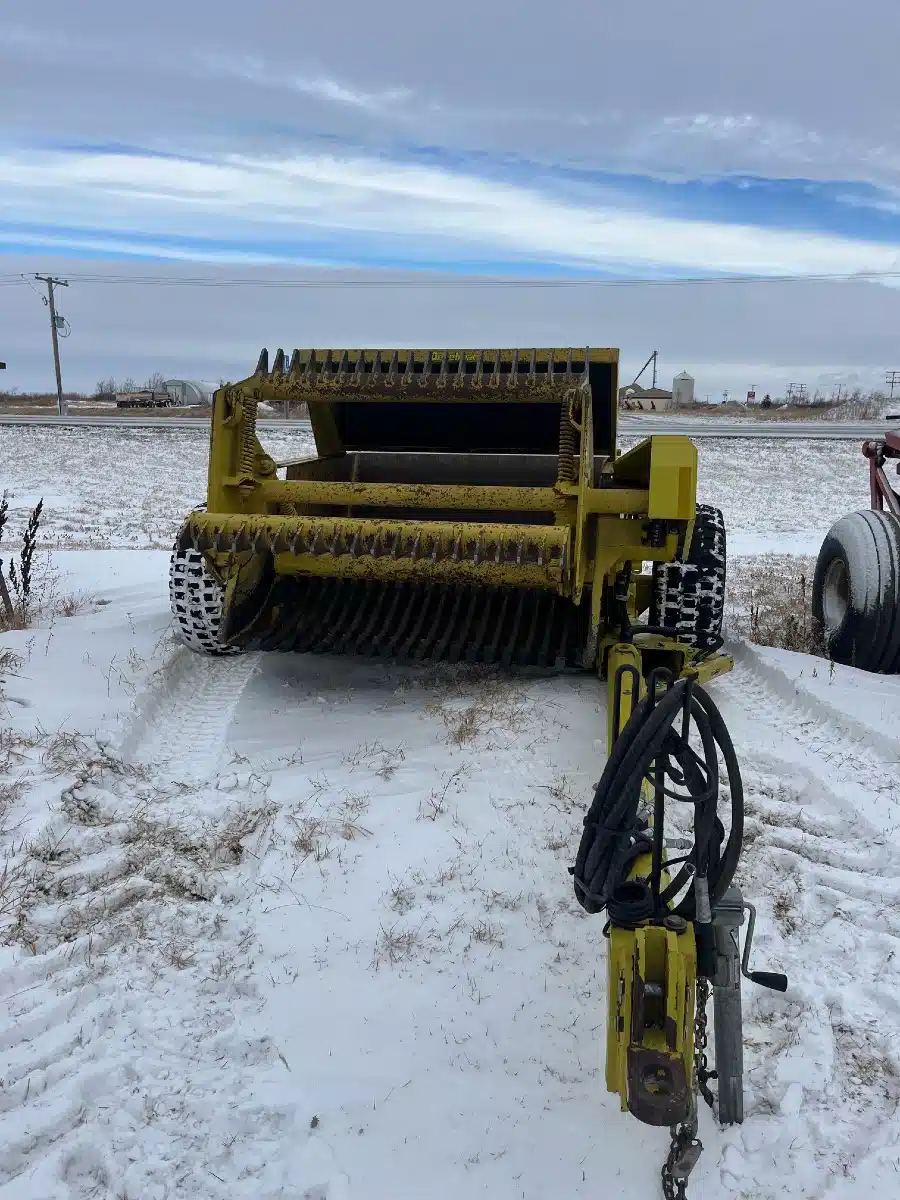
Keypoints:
(856, 587)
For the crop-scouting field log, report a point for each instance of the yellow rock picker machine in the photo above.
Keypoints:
(472, 506)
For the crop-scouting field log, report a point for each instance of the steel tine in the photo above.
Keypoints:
(372, 647)
(525, 653)
(365, 596)
(426, 641)
(444, 369)
(547, 626)
(388, 649)
(403, 651)
(424, 376)
(320, 614)
(461, 378)
(476, 645)
(362, 640)
(440, 646)
(490, 650)
(347, 605)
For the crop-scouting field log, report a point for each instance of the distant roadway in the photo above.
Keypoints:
(629, 426)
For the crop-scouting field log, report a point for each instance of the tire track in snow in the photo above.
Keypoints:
(130, 1058)
(822, 1070)
(825, 744)
(183, 721)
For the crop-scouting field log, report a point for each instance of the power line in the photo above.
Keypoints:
(462, 283)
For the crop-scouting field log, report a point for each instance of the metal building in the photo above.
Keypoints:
(682, 390)
(187, 392)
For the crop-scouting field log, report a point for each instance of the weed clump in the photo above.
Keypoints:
(17, 600)
(769, 602)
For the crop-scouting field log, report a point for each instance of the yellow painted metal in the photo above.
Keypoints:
(328, 522)
(425, 570)
(664, 958)
(667, 466)
(644, 1028)
(237, 462)
(581, 416)
(432, 376)
(622, 654)
(358, 547)
(488, 498)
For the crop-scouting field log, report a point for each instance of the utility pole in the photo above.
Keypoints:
(892, 378)
(54, 325)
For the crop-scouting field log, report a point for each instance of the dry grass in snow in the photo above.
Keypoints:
(768, 601)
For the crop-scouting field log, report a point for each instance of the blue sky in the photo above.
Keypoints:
(656, 141)
(409, 206)
(486, 138)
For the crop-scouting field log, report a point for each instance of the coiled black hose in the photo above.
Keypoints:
(650, 746)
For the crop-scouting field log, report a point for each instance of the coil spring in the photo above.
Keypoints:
(565, 472)
(248, 439)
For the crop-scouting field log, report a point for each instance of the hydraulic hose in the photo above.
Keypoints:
(653, 747)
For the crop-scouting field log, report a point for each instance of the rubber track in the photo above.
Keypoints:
(430, 622)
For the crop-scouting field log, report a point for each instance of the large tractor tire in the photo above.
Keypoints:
(195, 598)
(856, 591)
(688, 596)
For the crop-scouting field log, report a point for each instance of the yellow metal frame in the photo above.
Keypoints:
(660, 1048)
(605, 514)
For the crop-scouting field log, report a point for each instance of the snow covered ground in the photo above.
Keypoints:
(112, 487)
(303, 928)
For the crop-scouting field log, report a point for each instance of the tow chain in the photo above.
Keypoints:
(685, 1147)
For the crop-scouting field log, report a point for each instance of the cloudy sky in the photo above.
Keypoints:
(658, 141)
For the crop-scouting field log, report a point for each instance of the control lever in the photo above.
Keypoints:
(768, 979)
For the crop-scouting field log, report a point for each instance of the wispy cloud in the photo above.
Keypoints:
(625, 118)
(257, 71)
(433, 211)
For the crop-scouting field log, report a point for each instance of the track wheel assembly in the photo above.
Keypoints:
(856, 591)
(689, 596)
(195, 598)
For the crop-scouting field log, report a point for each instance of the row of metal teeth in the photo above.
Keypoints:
(424, 621)
(390, 544)
(353, 368)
